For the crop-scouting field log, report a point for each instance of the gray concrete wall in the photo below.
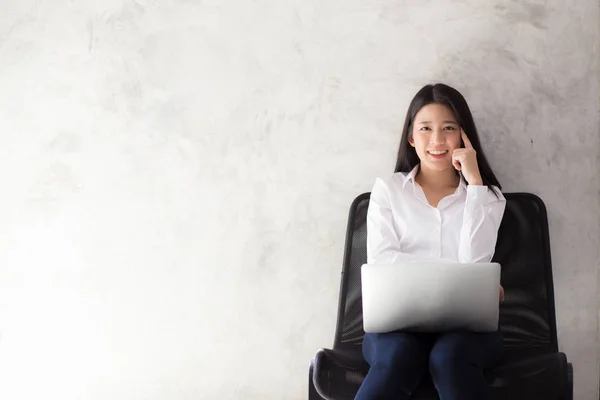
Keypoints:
(176, 176)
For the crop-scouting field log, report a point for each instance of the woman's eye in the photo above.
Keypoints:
(450, 128)
(425, 128)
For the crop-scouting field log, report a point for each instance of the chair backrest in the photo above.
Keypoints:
(527, 316)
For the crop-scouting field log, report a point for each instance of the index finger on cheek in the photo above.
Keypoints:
(465, 139)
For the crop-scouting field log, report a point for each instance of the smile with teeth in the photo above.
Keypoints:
(437, 152)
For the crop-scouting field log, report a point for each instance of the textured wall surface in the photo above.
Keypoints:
(176, 176)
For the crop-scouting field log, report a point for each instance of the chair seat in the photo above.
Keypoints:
(338, 375)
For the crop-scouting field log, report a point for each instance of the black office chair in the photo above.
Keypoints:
(532, 368)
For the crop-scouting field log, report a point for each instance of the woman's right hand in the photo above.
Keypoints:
(501, 293)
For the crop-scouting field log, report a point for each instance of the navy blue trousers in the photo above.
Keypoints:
(455, 360)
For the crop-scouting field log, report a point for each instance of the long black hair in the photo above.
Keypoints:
(446, 95)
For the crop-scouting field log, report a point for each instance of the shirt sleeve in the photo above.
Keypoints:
(383, 242)
(481, 221)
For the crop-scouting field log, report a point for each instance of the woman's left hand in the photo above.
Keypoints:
(465, 160)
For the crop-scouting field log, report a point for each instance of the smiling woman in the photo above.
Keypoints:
(443, 204)
(443, 112)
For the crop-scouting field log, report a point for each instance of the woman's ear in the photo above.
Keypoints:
(411, 141)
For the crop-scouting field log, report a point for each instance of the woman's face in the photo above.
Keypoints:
(435, 135)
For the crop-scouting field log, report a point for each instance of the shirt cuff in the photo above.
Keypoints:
(477, 193)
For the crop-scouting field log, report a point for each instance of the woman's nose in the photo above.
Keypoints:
(437, 137)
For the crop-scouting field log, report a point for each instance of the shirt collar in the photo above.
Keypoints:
(462, 186)
(411, 175)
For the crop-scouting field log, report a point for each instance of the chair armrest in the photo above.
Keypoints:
(543, 376)
(337, 375)
(312, 391)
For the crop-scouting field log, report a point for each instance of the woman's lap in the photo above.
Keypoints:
(455, 361)
(482, 349)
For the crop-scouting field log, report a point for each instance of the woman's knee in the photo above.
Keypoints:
(457, 349)
(447, 354)
(395, 349)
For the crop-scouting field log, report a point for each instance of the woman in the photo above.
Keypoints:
(442, 204)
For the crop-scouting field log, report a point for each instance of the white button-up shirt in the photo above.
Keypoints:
(403, 227)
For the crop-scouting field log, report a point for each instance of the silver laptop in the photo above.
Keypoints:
(430, 297)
